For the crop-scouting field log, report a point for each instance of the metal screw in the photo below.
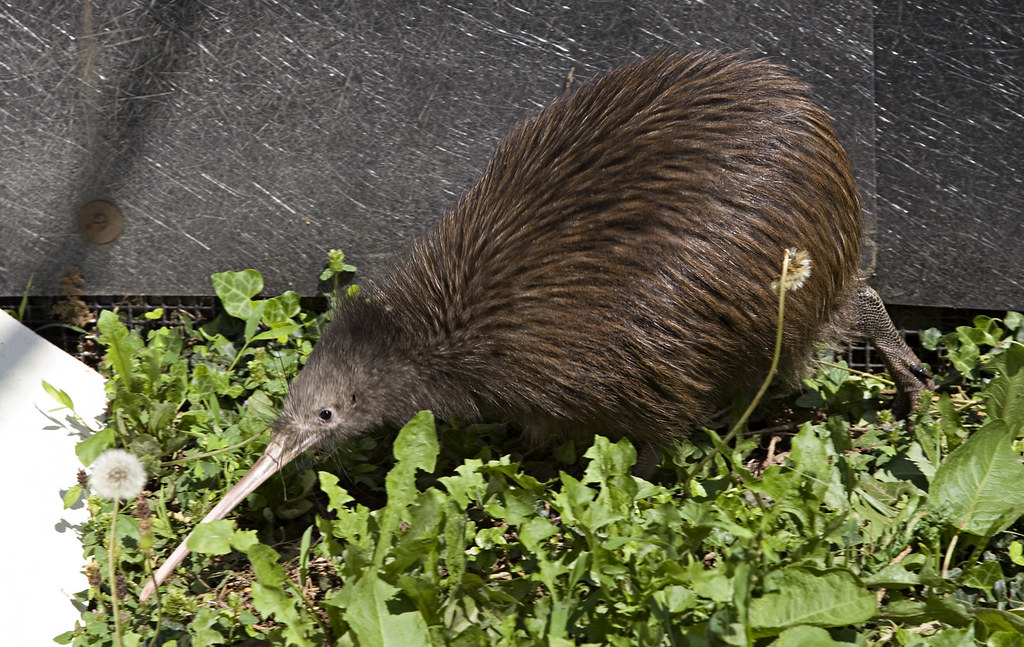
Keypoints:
(100, 222)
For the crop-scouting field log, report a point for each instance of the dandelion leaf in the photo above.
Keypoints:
(370, 610)
(805, 635)
(977, 488)
(804, 596)
(1005, 393)
(212, 538)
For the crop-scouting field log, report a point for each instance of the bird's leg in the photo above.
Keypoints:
(875, 326)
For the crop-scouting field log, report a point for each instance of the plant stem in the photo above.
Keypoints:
(311, 609)
(156, 595)
(238, 355)
(182, 461)
(776, 354)
(737, 428)
(856, 372)
(120, 430)
(115, 603)
(949, 555)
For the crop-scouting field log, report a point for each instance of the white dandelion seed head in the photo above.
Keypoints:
(798, 272)
(117, 474)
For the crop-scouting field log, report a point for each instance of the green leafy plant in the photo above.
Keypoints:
(842, 527)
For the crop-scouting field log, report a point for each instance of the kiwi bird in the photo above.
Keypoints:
(611, 271)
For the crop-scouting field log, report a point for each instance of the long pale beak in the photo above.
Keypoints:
(273, 459)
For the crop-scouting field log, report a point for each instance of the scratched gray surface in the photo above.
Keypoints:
(263, 134)
(950, 162)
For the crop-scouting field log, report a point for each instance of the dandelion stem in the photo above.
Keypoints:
(737, 428)
(113, 575)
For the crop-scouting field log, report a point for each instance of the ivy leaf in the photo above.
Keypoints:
(277, 331)
(983, 575)
(236, 291)
(280, 309)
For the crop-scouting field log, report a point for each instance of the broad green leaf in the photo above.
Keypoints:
(1005, 639)
(676, 599)
(72, 496)
(57, 394)
(949, 426)
(807, 597)
(468, 485)
(1017, 553)
(415, 448)
(88, 449)
(374, 621)
(207, 381)
(930, 338)
(351, 523)
(805, 636)
(455, 541)
(894, 576)
(983, 575)
(1013, 320)
(265, 565)
(534, 534)
(609, 459)
(161, 416)
(416, 445)
(280, 332)
(280, 309)
(964, 358)
(998, 620)
(243, 540)
(337, 496)
(943, 609)
(121, 346)
(202, 629)
(236, 290)
(212, 538)
(1005, 393)
(304, 555)
(978, 488)
(273, 600)
(809, 455)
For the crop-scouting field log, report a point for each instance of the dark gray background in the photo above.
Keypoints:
(262, 134)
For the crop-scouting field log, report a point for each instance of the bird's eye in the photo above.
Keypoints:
(326, 415)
